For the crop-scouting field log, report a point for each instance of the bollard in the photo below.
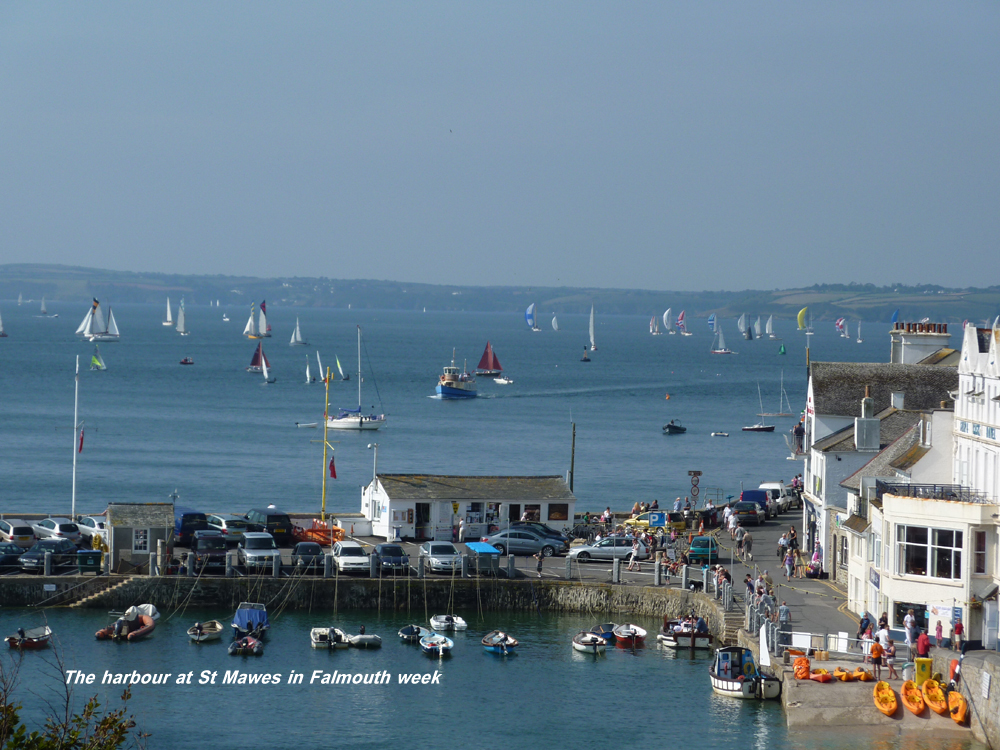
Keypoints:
(106, 557)
(328, 566)
(569, 567)
(616, 570)
(48, 564)
(466, 569)
(229, 564)
(684, 577)
(656, 573)
(190, 564)
(511, 566)
(373, 563)
(420, 566)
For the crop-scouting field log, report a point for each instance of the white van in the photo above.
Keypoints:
(779, 494)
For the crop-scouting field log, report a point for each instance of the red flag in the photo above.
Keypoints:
(333, 469)
(80, 449)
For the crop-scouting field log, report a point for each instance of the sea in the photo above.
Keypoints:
(220, 440)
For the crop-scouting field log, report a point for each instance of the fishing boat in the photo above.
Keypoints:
(93, 327)
(206, 631)
(628, 635)
(297, 339)
(682, 635)
(654, 326)
(605, 630)
(181, 327)
(187, 361)
(489, 365)
(682, 325)
(498, 642)
(3, 333)
(412, 633)
(735, 673)
(859, 332)
(668, 323)
(593, 342)
(250, 330)
(760, 426)
(436, 644)
(32, 639)
(719, 343)
(246, 646)
(769, 328)
(454, 383)
(555, 322)
(169, 320)
(365, 640)
(250, 620)
(529, 318)
(258, 359)
(96, 360)
(135, 623)
(674, 427)
(353, 419)
(913, 699)
(885, 698)
(448, 622)
(268, 378)
(958, 707)
(588, 643)
(934, 696)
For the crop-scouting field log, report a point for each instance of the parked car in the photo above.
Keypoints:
(704, 549)
(541, 529)
(275, 522)
(391, 557)
(763, 499)
(749, 512)
(10, 557)
(257, 550)
(524, 542)
(232, 527)
(186, 522)
(441, 557)
(209, 548)
(350, 557)
(607, 549)
(91, 526)
(308, 557)
(782, 494)
(58, 528)
(63, 555)
(17, 531)
(675, 520)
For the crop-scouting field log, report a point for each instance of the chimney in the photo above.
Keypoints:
(867, 431)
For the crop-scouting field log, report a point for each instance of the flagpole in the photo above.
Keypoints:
(76, 426)
(326, 424)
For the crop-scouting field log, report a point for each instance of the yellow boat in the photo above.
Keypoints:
(934, 697)
(843, 675)
(957, 706)
(863, 675)
(913, 699)
(885, 698)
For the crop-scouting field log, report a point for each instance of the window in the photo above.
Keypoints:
(844, 542)
(911, 541)
(558, 511)
(929, 552)
(980, 554)
(947, 554)
(875, 549)
(140, 540)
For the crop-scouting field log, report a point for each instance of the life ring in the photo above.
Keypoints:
(748, 669)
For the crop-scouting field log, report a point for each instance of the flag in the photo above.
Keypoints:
(80, 449)
(333, 469)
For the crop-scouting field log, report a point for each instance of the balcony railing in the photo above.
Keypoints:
(955, 492)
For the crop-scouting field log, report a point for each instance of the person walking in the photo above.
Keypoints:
(800, 565)
(782, 547)
(784, 622)
(740, 532)
(748, 545)
(789, 565)
(634, 559)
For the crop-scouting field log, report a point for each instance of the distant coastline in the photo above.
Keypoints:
(58, 283)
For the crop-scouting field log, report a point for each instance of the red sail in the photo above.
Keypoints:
(255, 362)
(489, 360)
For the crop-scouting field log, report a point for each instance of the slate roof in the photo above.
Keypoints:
(857, 524)
(882, 464)
(892, 424)
(943, 356)
(838, 387)
(443, 487)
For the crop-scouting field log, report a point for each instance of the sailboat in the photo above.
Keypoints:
(20, 299)
(719, 346)
(250, 330)
(742, 324)
(45, 313)
(258, 360)
(801, 320)
(489, 365)
(319, 364)
(93, 327)
(756, 327)
(353, 419)
(555, 323)
(309, 378)
(593, 343)
(341, 369)
(297, 339)
(181, 329)
(529, 318)
(839, 325)
(169, 320)
(682, 325)
(760, 426)
(781, 349)
(3, 333)
(769, 328)
(782, 401)
(268, 378)
(97, 361)
(225, 318)
(654, 326)
(668, 322)
(859, 332)
(263, 329)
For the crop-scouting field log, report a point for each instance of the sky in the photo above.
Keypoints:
(656, 145)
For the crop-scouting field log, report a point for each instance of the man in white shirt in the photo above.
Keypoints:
(909, 623)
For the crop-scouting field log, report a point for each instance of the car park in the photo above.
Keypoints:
(91, 526)
(257, 550)
(524, 542)
(275, 522)
(390, 558)
(308, 557)
(17, 531)
(232, 527)
(209, 548)
(704, 549)
(441, 557)
(747, 512)
(350, 557)
(58, 528)
(607, 549)
(63, 551)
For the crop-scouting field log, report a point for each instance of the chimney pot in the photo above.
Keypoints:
(944, 328)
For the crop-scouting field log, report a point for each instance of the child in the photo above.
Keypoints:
(876, 654)
(890, 660)
(938, 634)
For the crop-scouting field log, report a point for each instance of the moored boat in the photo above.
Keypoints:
(250, 620)
(352, 419)
(885, 698)
(187, 361)
(206, 631)
(913, 699)
(605, 630)
(339, 638)
(682, 635)
(674, 427)
(436, 644)
(412, 633)
(498, 642)
(588, 643)
(628, 635)
(735, 673)
(246, 646)
(448, 622)
(365, 640)
(32, 639)
(934, 696)
(319, 638)
(135, 623)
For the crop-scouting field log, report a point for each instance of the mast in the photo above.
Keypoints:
(359, 374)
(76, 426)
(326, 426)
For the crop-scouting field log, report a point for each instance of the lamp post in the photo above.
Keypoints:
(374, 447)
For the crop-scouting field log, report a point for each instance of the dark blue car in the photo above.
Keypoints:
(391, 558)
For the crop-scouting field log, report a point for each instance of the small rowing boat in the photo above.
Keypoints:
(206, 631)
(30, 640)
(436, 644)
(605, 630)
(885, 698)
(629, 635)
(412, 633)
(498, 642)
(913, 699)
(588, 643)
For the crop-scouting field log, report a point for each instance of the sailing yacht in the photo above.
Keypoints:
(93, 327)
(20, 299)
(263, 329)
(859, 332)
(45, 313)
(181, 329)
(258, 360)
(250, 330)
(760, 426)
(309, 378)
(769, 328)
(529, 318)
(801, 320)
(297, 339)
(489, 365)
(719, 345)
(668, 322)
(169, 320)
(268, 378)
(840, 325)
(555, 323)
(756, 327)
(782, 401)
(97, 361)
(3, 334)
(593, 343)
(682, 325)
(353, 419)
(654, 326)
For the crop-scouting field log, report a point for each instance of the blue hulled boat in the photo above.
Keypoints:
(250, 620)
(499, 642)
(455, 383)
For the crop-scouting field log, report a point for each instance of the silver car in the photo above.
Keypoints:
(58, 528)
(232, 527)
(443, 557)
(607, 549)
(91, 526)
(17, 531)
(257, 550)
(524, 542)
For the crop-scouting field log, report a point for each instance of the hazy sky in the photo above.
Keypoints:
(661, 145)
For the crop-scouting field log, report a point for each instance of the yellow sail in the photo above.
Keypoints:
(802, 318)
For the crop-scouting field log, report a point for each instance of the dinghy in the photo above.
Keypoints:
(588, 643)
(363, 640)
(436, 644)
(448, 622)
(498, 642)
(133, 624)
(412, 633)
(246, 646)
(605, 631)
(30, 640)
(207, 631)
(629, 635)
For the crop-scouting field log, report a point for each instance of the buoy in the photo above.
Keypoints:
(668, 397)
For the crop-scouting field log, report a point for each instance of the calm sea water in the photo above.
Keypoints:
(226, 442)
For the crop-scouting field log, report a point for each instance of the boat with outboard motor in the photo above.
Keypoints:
(32, 639)
(448, 622)
(588, 643)
(413, 633)
(498, 642)
(436, 644)
(135, 623)
(206, 631)
(250, 620)
(735, 673)
(685, 634)
(246, 646)
(629, 635)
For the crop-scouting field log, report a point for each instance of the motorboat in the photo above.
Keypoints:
(436, 644)
(456, 383)
(32, 639)
(319, 638)
(605, 631)
(503, 380)
(365, 640)
(339, 638)
(412, 633)
(206, 631)
(246, 646)
(448, 622)
(135, 623)
(674, 427)
(720, 434)
(735, 673)
(498, 642)
(250, 620)
(681, 635)
(187, 361)
(628, 635)
(588, 643)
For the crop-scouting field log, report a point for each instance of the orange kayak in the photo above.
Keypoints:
(934, 697)
(863, 675)
(821, 675)
(885, 698)
(913, 699)
(958, 707)
(843, 675)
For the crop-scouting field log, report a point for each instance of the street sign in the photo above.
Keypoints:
(695, 491)
(694, 473)
(454, 507)
(657, 518)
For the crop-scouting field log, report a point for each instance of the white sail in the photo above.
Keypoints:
(263, 367)
(297, 336)
(308, 378)
(97, 324)
(250, 330)
(20, 299)
(668, 323)
(756, 327)
(262, 323)
(112, 326)
(742, 323)
(180, 320)
(84, 328)
(721, 346)
(593, 343)
(769, 326)
(44, 311)
(1, 328)
(322, 372)
(555, 322)
(216, 303)
(169, 320)
(859, 332)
